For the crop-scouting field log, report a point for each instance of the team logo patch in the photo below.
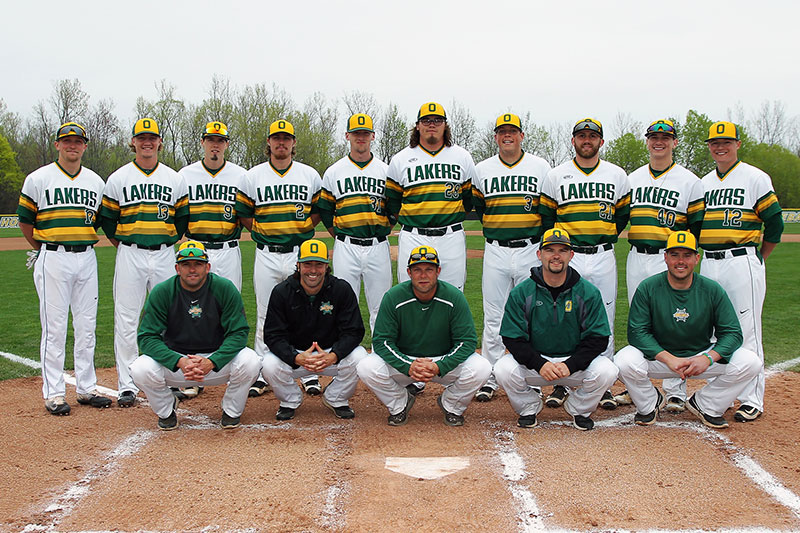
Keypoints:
(195, 311)
(326, 308)
(412, 159)
(680, 315)
(539, 302)
(567, 177)
(568, 306)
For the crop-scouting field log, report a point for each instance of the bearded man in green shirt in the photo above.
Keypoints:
(673, 318)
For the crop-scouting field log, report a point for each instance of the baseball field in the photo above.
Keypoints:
(111, 470)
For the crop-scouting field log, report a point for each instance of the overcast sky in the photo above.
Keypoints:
(559, 60)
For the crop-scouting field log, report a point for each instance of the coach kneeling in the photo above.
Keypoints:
(194, 332)
(673, 318)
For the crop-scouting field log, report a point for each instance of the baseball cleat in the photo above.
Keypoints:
(402, 417)
(584, 423)
(126, 399)
(57, 406)
(171, 422)
(451, 419)
(527, 421)
(675, 405)
(284, 413)
(716, 422)
(95, 400)
(746, 413)
(649, 419)
(257, 389)
(557, 398)
(187, 392)
(312, 387)
(623, 398)
(607, 402)
(343, 411)
(484, 394)
(416, 388)
(229, 422)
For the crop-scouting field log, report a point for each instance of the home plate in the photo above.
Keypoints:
(427, 467)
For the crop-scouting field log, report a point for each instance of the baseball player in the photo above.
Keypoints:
(424, 332)
(429, 190)
(213, 184)
(506, 197)
(682, 325)
(57, 212)
(313, 326)
(590, 199)
(352, 204)
(275, 204)
(739, 199)
(665, 197)
(145, 211)
(556, 328)
(194, 330)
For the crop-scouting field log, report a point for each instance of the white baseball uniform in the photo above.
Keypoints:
(506, 197)
(63, 211)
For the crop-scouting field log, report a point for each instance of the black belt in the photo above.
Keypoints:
(220, 245)
(144, 247)
(736, 252)
(644, 249)
(360, 242)
(276, 248)
(519, 243)
(593, 249)
(67, 248)
(433, 232)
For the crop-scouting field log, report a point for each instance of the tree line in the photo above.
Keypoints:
(26, 143)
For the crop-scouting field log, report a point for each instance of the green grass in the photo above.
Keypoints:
(20, 329)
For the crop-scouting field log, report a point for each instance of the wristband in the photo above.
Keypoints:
(710, 359)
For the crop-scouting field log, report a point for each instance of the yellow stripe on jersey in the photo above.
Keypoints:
(27, 204)
(356, 219)
(583, 207)
(284, 227)
(149, 208)
(142, 227)
(448, 207)
(513, 201)
(728, 235)
(209, 208)
(649, 233)
(431, 188)
(696, 207)
(652, 212)
(67, 234)
(548, 202)
(720, 214)
(393, 185)
(766, 202)
(324, 194)
(355, 201)
(589, 227)
(280, 209)
(501, 221)
(212, 227)
(111, 204)
(182, 202)
(60, 214)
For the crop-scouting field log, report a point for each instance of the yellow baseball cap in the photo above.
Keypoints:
(145, 125)
(216, 129)
(555, 236)
(71, 129)
(509, 119)
(423, 254)
(281, 126)
(588, 124)
(723, 130)
(431, 109)
(313, 250)
(359, 122)
(661, 126)
(682, 239)
(191, 251)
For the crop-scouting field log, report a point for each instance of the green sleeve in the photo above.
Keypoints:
(595, 320)
(394, 197)
(515, 323)
(387, 331)
(463, 337)
(726, 324)
(154, 323)
(640, 324)
(245, 207)
(233, 319)
(466, 196)
(773, 227)
(622, 212)
(479, 202)
(326, 207)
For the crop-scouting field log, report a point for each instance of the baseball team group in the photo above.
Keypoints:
(549, 282)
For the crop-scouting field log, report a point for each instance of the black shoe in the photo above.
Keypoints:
(484, 394)
(527, 421)
(402, 417)
(312, 387)
(284, 413)
(649, 418)
(608, 402)
(716, 422)
(584, 423)
(557, 397)
(746, 413)
(95, 400)
(416, 388)
(343, 411)
(57, 406)
(171, 422)
(257, 389)
(229, 422)
(451, 419)
(126, 398)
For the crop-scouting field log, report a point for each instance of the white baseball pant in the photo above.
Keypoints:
(714, 398)
(600, 269)
(136, 272)
(389, 385)
(269, 270)
(372, 264)
(452, 250)
(155, 381)
(66, 280)
(227, 262)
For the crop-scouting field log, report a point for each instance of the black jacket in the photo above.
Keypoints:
(295, 320)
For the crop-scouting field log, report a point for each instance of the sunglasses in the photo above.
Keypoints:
(430, 256)
(588, 124)
(191, 252)
(661, 127)
(436, 121)
(70, 129)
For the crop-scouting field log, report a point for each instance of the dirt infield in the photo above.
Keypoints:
(111, 470)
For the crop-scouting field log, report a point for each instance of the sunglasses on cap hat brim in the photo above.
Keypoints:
(71, 130)
(427, 256)
(589, 125)
(661, 127)
(196, 254)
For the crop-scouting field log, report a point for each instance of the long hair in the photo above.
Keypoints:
(414, 141)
